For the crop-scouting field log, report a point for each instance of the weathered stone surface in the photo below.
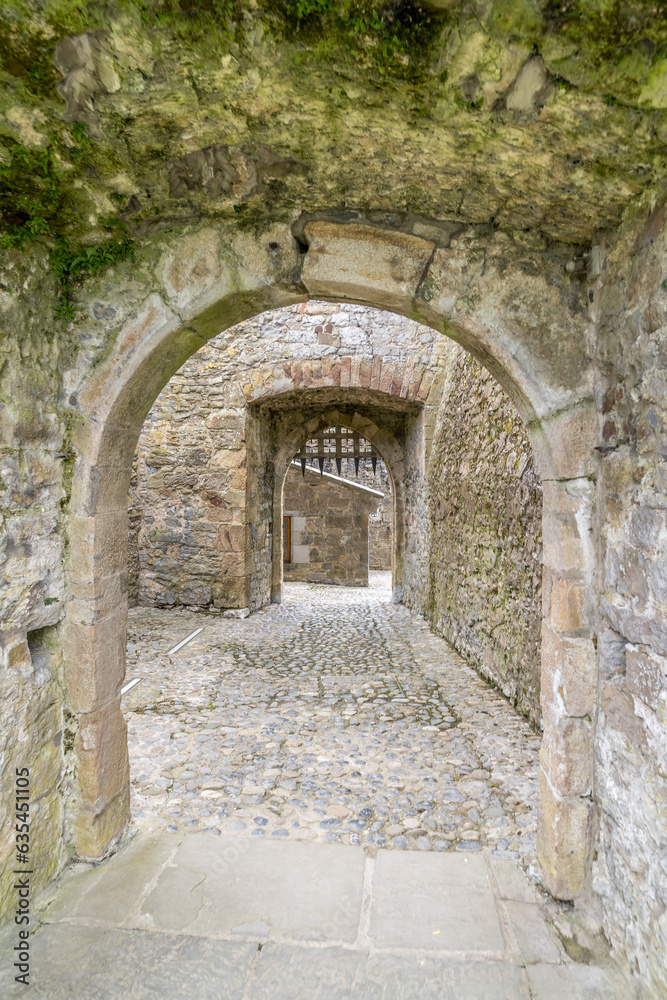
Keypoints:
(94, 660)
(364, 263)
(569, 673)
(101, 747)
(566, 756)
(485, 535)
(632, 734)
(562, 840)
(620, 715)
(646, 676)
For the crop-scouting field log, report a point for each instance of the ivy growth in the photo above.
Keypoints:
(32, 206)
(69, 265)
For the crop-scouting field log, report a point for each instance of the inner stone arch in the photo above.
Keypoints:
(287, 421)
(339, 546)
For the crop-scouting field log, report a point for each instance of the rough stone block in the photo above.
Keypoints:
(95, 832)
(327, 371)
(563, 549)
(376, 371)
(620, 714)
(15, 653)
(564, 443)
(646, 675)
(563, 833)
(100, 488)
(363, 263)
(95, 661)
(569, 672)
(566, 754)
(101, 747)
(568, 610)
(97, 598)
(98, 545)
(231, 538)
(193, 273)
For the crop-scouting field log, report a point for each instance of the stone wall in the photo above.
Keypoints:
(190, 490)
(485, 508)
(35, 482)
(630, 876)
(330, 535)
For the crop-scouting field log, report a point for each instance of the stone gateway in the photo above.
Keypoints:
(236, 185)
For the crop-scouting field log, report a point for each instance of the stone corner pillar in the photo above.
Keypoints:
(568, 686)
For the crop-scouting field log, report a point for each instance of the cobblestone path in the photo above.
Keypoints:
(336, 716)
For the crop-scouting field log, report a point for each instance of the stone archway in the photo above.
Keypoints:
(392, 452)
(203, 289)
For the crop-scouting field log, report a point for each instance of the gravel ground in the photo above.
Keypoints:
(334, 716)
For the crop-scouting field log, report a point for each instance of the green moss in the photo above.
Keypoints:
(37, 193)
(608, 29)
(30, 194)
(36, 205)
(391, 38)
(27, 58)
(461, 102)
(208, 23)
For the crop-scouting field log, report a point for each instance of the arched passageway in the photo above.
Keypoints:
(409, 275)
(334, 717)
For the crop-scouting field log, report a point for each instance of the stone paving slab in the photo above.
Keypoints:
(437, 902)
(193, 917)
(288, 973)
(285, 973)
(566, 982)
(125, 878)
(78, 962)
(392, 978)
(260, 888)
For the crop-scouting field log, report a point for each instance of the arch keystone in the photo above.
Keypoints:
(364, 264)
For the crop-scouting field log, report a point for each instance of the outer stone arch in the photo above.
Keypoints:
(205, 288)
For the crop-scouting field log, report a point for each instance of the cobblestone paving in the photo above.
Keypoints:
(335, 716)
